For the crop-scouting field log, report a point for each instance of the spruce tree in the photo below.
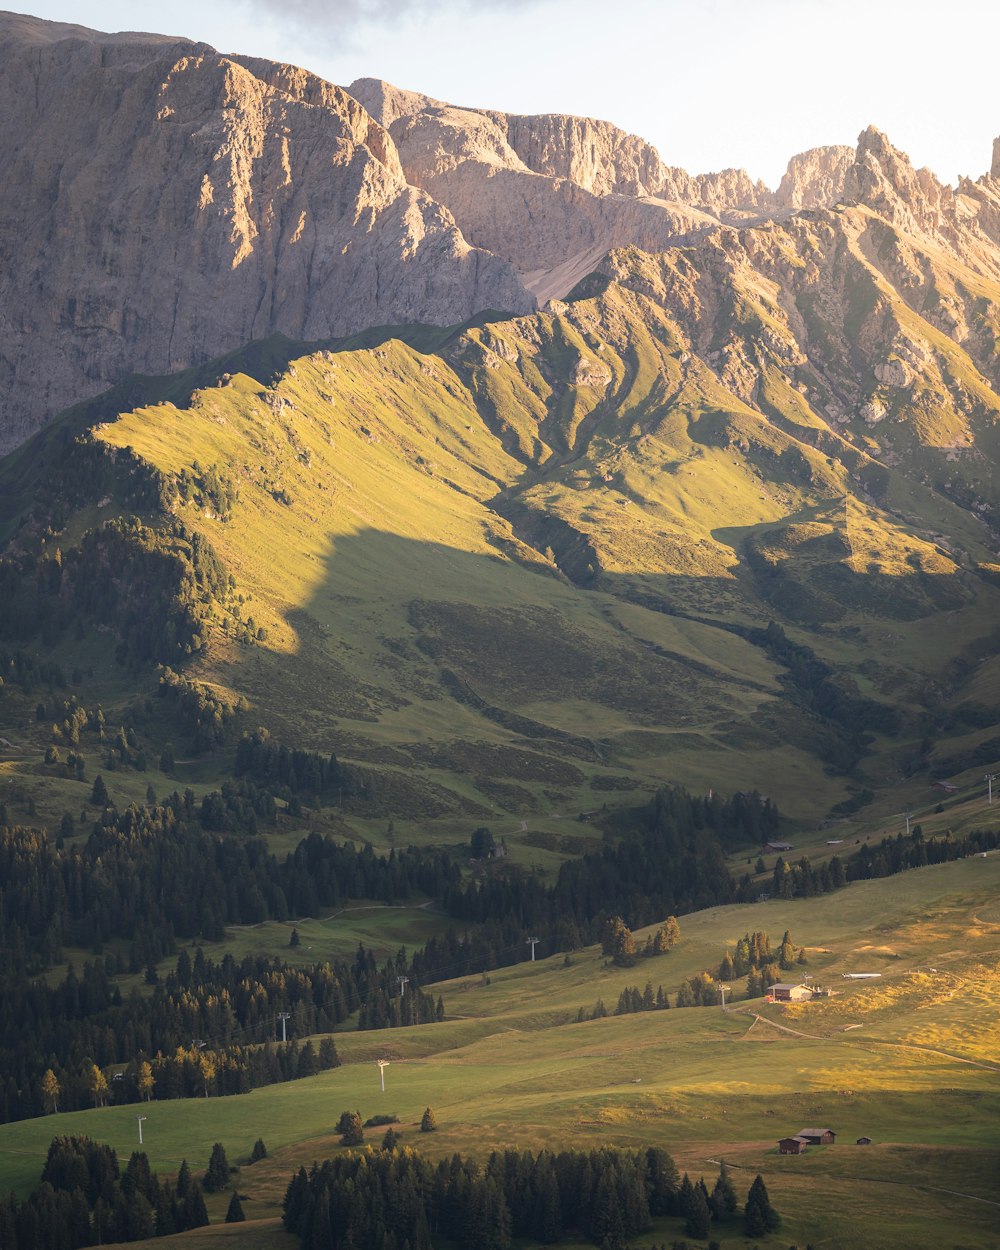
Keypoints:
(428, 1122)
(697, 1217)
(350, 1130)
(786, 951)
(217, 1176)
(723, 1202)
(759, 1216)
(235, 1213)
(193, 1213)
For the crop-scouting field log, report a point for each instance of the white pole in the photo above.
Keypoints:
(722, 990)
(402, 982)
(533, 942)
(382, 1065)
(283, 1016)
(140, 1119)
(989, 779)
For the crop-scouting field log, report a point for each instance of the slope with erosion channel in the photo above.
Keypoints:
(530, 563)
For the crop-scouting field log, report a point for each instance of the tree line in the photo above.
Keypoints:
(392, 1198)
(86, 1199)
(119, 1048)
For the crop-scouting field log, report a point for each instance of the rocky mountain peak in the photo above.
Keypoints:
(884, 179)
(815, 178)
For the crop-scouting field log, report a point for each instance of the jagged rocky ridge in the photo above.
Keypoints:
(165, 203)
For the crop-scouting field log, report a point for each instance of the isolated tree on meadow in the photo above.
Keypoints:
(235, 1213)
(428, 1121)
(670, 932)
(217, 1176)
(618, 942)
(350, 1129)
(259, 1151)
(99, 792)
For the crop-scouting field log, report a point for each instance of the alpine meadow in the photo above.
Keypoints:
(499, 675)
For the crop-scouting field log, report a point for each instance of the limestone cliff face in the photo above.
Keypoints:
(163, 204)
(815, 179)
(552, 193)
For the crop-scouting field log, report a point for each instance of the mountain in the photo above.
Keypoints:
(167, 203)
(705, 519)
(727, 506)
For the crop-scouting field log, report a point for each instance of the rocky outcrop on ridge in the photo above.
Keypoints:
(815, 179)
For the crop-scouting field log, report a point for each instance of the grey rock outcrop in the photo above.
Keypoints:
(163, 204)
(815, 179)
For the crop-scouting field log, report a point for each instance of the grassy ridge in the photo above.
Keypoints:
(500, 566)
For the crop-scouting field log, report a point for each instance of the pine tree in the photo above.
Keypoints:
(723, 1202)
(661, 1181)
(259, 1151)
(759, 1216)
(194, 1213)
(217, 1176)
(786, 951)
(697, 1217)
(428, 1121)
(235, 1213)
(349, 1128)
(99, 792)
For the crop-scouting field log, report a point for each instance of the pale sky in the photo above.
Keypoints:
(712, 83)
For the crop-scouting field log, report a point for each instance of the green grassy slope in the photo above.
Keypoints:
(516, 567)
(909, 1061)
